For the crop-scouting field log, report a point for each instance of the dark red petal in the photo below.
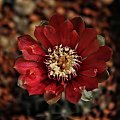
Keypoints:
(99, 65)
(31, 81)
(78, 24)
(74, 38)
(56, 21)
(22, 66)
(51, 87)
(76, 86)
(89, 72)
(28, 55)
(66, 29)
(53, 92)
(41, 37)
(92, 48)
(103, 54)
(59, 89)
(38, 88)
(51, 35)
(35, 76)
(98, 59)
(103, 76)
(25, 41)
(90, 83)
(54, 88)
(87, 38)
(36, 49)
(71, 94)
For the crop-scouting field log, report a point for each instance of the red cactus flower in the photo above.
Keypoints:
(65, 57)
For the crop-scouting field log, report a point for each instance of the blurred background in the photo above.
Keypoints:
(21, 16)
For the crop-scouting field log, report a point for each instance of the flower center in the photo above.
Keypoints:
(62, 63)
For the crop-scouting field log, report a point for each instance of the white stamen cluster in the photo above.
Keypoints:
(62, 63)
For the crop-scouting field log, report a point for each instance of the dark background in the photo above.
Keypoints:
(21, 16)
